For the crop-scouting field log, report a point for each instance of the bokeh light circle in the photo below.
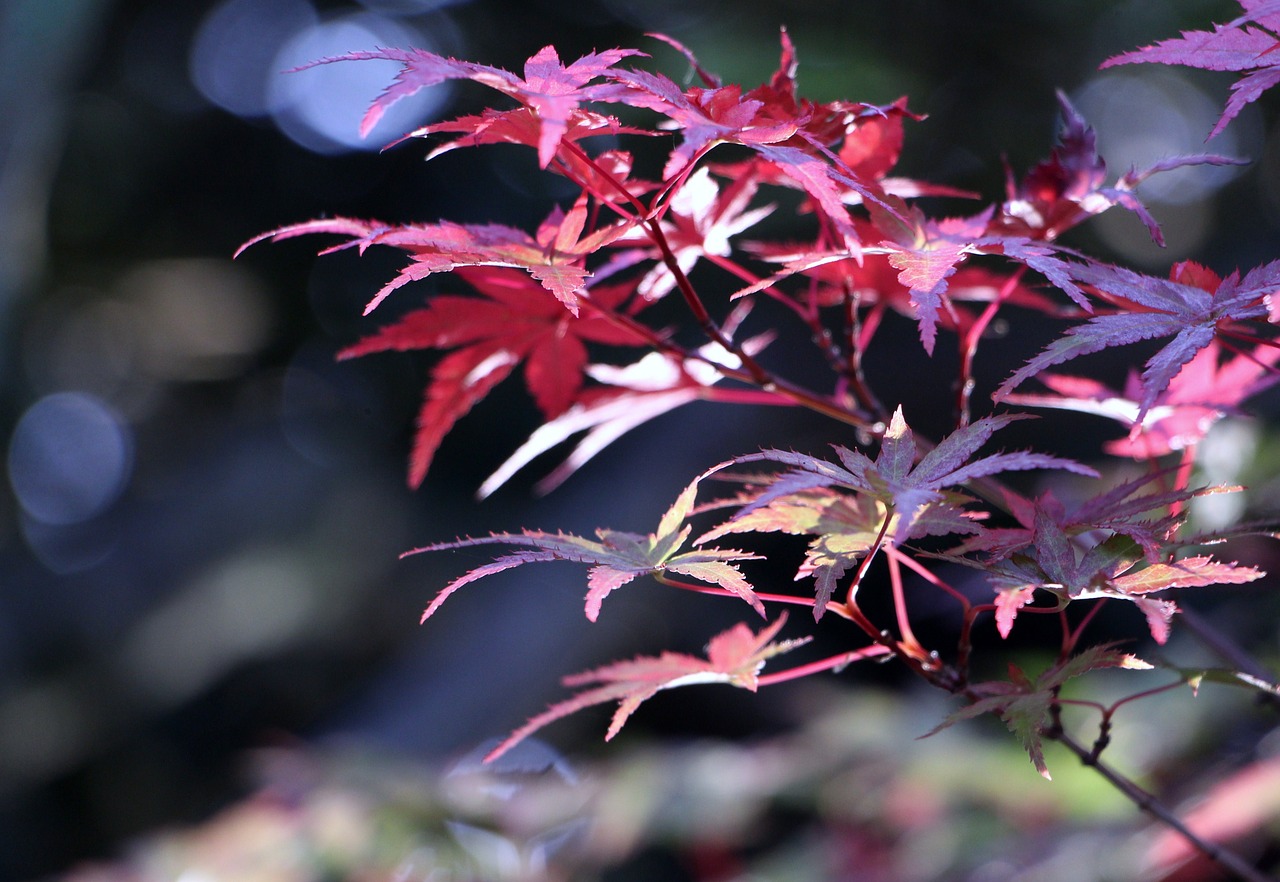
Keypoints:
(320, 107)
(233, 56)
(1144, 117)
(70, 457)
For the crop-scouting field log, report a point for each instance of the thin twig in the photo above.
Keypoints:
(1147, 802)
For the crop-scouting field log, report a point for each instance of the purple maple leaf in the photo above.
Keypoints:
(900, 476)
(1247, 43)
(1155, 308)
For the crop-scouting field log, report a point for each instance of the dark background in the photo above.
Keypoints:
(199, 537)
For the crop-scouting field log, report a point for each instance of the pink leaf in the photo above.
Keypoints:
(551, 90)
(734, 657)
(617, 558)
(1008, 602)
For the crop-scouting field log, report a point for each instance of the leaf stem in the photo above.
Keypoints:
(793, 599)
(964, 646)
(971, 338)
(866, 561)
(826, 664)
(928, 575)
(909, 640)
(1070, 637)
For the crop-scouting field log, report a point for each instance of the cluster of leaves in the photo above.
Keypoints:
(577, 292)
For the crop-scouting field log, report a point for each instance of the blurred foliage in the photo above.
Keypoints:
(848, 794)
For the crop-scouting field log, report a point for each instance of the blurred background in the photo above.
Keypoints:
(202, 511)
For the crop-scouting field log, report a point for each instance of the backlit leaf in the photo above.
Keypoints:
(616, 558)
(735, 657)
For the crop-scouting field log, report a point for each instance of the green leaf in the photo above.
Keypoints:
(1024, 704)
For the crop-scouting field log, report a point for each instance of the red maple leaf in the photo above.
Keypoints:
(518, 322)
(871, 135)
(705, 116)
(882, 279)
(926, 253)
(735, 657)
(520, 125)
(630, 396)
(795, 136)
(1070, 187)
(1058, 194)
(873, 138)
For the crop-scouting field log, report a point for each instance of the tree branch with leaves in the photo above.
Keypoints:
(560, 302)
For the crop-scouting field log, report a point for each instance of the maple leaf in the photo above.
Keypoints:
(877, 284)
(926, 253)
(900, 477)
(1154, 308)
(873, 142)
(1138, 509)
(769, 114)
(1188, 572)
(704, 116)
(518, 322)
(870, 136)
(867, 147)
(631, 396)
(1206, 389)
(616, 559)
(829, 185)
(735, 657)
(869, 139)
(1051, 194)
(846, 528)
(1062, 551)
(1191, 572)
(1069, 187)
(1054, 196)
(793, 135)
(1025, 704)
(1248, 43)
(521, 125)
(698, 224)
(1052, 562)
(550, 90)
(553, 256)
